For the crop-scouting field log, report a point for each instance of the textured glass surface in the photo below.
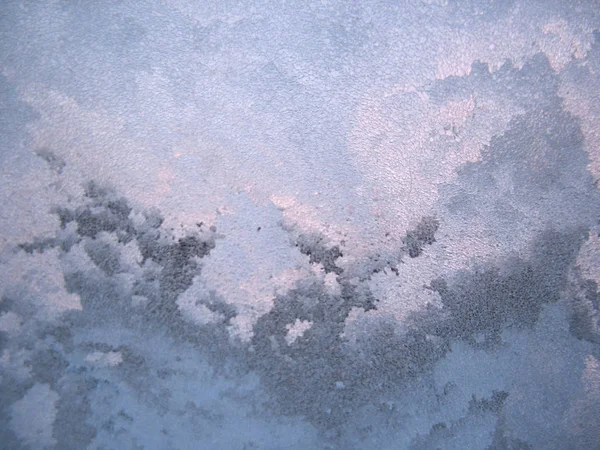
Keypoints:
(300, 224)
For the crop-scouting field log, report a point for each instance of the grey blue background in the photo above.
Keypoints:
(300, 225)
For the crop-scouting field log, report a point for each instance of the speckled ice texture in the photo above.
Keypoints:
(300, 224)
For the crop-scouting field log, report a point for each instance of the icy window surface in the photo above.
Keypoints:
(300, 225)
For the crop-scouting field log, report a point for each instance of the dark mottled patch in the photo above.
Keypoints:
(103, 212)
(492, 405)
(217, 304)
(486, 301)
(585, 311)
(104, 255)
(314, 246)
(55, 162)
(168, 268)
(174, 263)
(423, 234)
(47, 366)
(385, 359)
(304, 374)
(91, 223)
(102, 295)
(318, 375)
(179, 266)
(65, 215)
(38, 245)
